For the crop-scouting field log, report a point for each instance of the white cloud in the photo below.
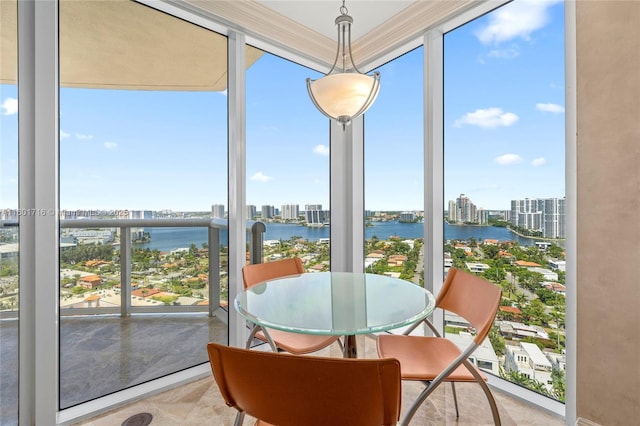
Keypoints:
(490, 117)
(321, 150)
(507, 53)
(83, 137)
(539, 162)
(110, 145)
(516, 20)
(64, 135)
(261, 177)
(508, 159)
(9, 106)
(549, 107)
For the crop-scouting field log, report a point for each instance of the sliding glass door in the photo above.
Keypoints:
(9, 216)
(143, 157)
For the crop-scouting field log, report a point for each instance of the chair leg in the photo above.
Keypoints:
(418, 402)
(455, 398)
(252, 336)
(492, 403)
(239, 419)
(487, 393)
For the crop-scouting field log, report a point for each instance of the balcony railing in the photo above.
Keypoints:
(255, 232)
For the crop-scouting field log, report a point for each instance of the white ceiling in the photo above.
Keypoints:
(319, 15)
(306, 28)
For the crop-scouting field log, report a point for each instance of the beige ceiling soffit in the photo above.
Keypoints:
(8, 41)
(407, 25)
(256, 20)
(128, 46)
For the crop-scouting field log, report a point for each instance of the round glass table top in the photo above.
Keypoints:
(335, 303)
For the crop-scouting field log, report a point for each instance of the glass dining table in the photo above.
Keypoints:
(335, 303)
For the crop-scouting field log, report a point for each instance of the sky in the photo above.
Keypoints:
(152, 150)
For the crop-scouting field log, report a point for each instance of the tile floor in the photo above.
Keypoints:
(199, 403)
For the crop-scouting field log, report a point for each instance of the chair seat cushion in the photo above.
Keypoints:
(296, 343)
(423, 358)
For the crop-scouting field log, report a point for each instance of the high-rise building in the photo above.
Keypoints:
(140, 214)
(546, 216)
(314, 215)
(465, 210)
(267, 212)
(452, 211)
(252, 212)
(217, 211)
(290, 211)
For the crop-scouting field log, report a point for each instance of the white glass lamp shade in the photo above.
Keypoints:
(344, 96)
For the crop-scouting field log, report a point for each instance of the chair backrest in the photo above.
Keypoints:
(473, 298)
(259, 272)
(286, 389)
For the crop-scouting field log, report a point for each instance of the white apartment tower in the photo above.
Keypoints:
(465, 209)
(544, 215)
(217, 211)
(290, 211)
(452, 211)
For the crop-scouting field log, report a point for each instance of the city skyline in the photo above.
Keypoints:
(503, 125)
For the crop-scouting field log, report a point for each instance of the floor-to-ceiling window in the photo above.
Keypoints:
(143, 142)
(504, 183)
(9, 216)
(287, 162)
(394, 171)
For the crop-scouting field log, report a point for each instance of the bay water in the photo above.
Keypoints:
(166, 239)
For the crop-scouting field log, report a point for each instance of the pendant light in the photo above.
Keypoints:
(344, 92)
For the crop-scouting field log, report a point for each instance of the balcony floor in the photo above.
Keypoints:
(200, 403)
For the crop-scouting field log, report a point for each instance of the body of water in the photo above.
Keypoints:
(166, 239)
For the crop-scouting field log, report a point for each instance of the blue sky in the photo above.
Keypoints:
(504, 130)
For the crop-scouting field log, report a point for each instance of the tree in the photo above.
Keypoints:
(490, 252)
(558, 383)
(497, 341)
(535, 312)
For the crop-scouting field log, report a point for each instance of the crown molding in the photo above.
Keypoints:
(265, 25)
(408, 25)
(262, 23)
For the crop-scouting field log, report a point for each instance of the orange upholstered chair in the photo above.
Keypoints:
(437, 359)
(294, 343)
(282, 389)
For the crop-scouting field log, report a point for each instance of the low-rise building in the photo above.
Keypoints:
(90, 281)
(528, 359)
(484, 357)
(477, 268)
(516, 330)
(560, 265)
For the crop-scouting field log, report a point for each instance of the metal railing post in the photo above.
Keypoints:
(125, 271)
(214, 269)
(256, 246)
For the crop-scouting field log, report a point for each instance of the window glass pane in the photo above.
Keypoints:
(394, 171)
(287, 162)
(9, 277)
(504, 183)
(143, 145)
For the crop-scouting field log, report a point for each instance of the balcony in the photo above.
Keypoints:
(128, 340)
